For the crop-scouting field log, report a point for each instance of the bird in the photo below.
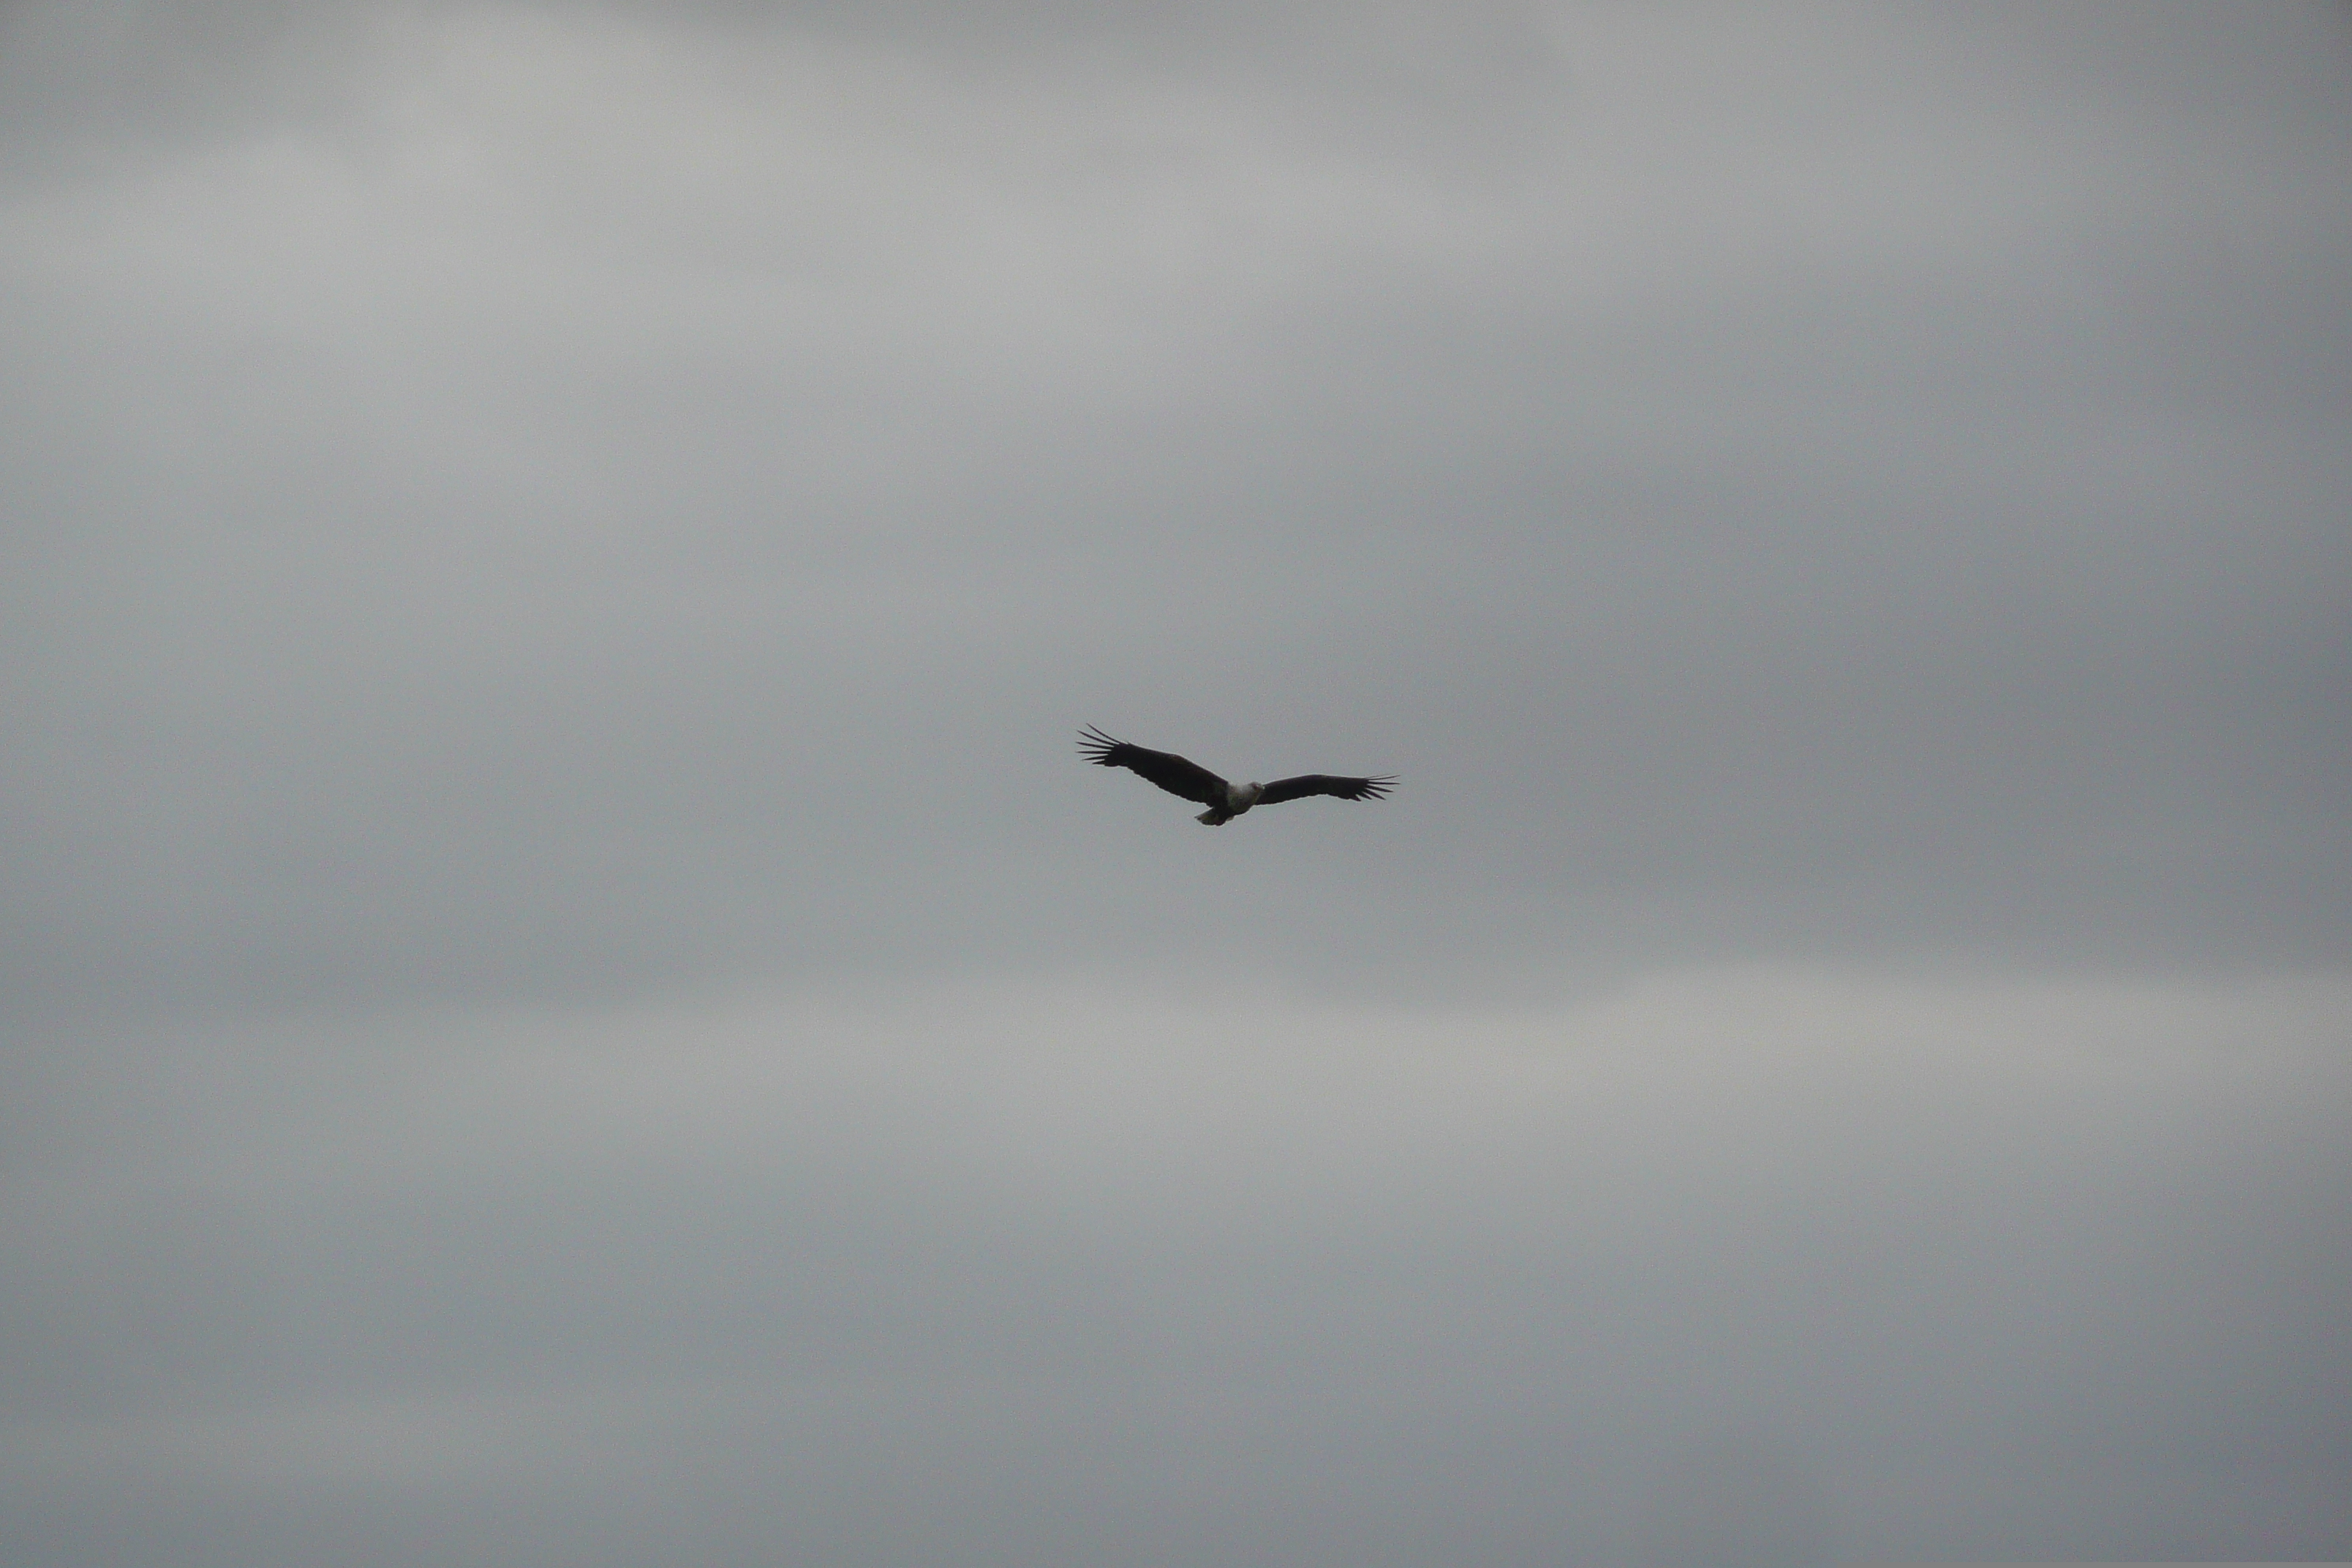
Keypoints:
(1179, 775)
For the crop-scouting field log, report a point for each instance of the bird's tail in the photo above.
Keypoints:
(1215, 817)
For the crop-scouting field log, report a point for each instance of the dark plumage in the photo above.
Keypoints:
(1179, 775)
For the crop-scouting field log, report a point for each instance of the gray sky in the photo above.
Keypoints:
(568, 999)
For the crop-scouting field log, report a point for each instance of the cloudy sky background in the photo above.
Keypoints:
(567, 998)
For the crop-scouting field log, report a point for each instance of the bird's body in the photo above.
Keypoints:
(1238, 799)
(1179, 776)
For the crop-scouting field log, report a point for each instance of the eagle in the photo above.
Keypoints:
(1225, 801)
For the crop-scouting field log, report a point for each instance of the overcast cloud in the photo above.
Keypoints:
(568, 999)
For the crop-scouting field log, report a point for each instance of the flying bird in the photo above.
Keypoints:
(1225, 801)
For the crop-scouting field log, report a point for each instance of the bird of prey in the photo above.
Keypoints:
(1225, 801)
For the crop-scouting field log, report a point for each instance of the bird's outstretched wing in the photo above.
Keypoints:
(1166, 769)
(1324, 783)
